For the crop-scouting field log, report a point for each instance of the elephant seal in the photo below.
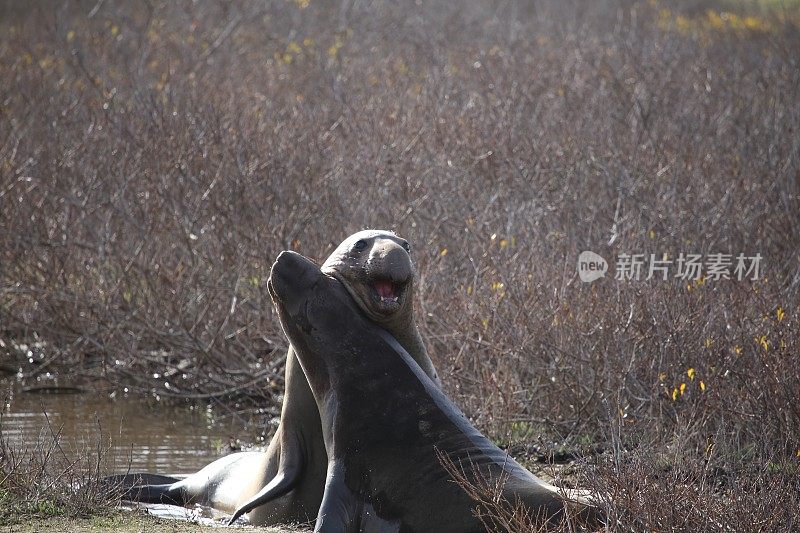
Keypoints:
(285, 484)
(386, 424)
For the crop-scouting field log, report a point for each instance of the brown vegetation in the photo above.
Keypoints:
(155, 158)
(47, 478)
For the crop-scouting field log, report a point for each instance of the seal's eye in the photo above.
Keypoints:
(407, 246)
(360, 245)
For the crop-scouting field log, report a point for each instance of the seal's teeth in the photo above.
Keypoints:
(392, 299)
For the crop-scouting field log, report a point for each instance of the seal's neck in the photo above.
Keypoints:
(409, 338)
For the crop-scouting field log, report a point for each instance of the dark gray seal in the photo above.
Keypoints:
(385, 422)
(285, 484)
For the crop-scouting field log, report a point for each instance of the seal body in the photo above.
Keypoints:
(386, 423)
(285, 484)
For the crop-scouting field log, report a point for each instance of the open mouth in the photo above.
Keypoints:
(388, 294)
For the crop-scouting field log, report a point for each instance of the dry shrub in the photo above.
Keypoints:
(692, 495)
(155, 158)
(50, 477)
(497, 513)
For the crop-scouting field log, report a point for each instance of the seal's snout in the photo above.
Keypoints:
(291, 279)
(390, 272)
(391, 260)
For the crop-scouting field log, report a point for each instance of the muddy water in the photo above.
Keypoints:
(135, 432)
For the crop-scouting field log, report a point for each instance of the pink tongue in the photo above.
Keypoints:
(384, 289)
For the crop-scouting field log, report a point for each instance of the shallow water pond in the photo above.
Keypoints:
(133, 432)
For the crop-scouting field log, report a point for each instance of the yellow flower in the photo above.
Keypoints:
(715, 20)
(737, 350)
(683, 24)
(674, 394)
(690, 373)
(780, 314)
(338, 43)
(702, 386)
(443, 252)
(757, 24)
(683, 388)
(762, 340)
(293, 48)
(709, 342)
(664, 19)
(401, 67)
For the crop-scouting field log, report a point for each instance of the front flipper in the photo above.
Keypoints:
(130, 480)
(292, 463)
(340, 508)
(147, 488)
(283, 482)
(166, 493)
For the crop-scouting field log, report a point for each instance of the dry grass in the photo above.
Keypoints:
(49, 478)
(155, 157)
(495, 512)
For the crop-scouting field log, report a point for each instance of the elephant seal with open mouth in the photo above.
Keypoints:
(385, 423)
(285, 484)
